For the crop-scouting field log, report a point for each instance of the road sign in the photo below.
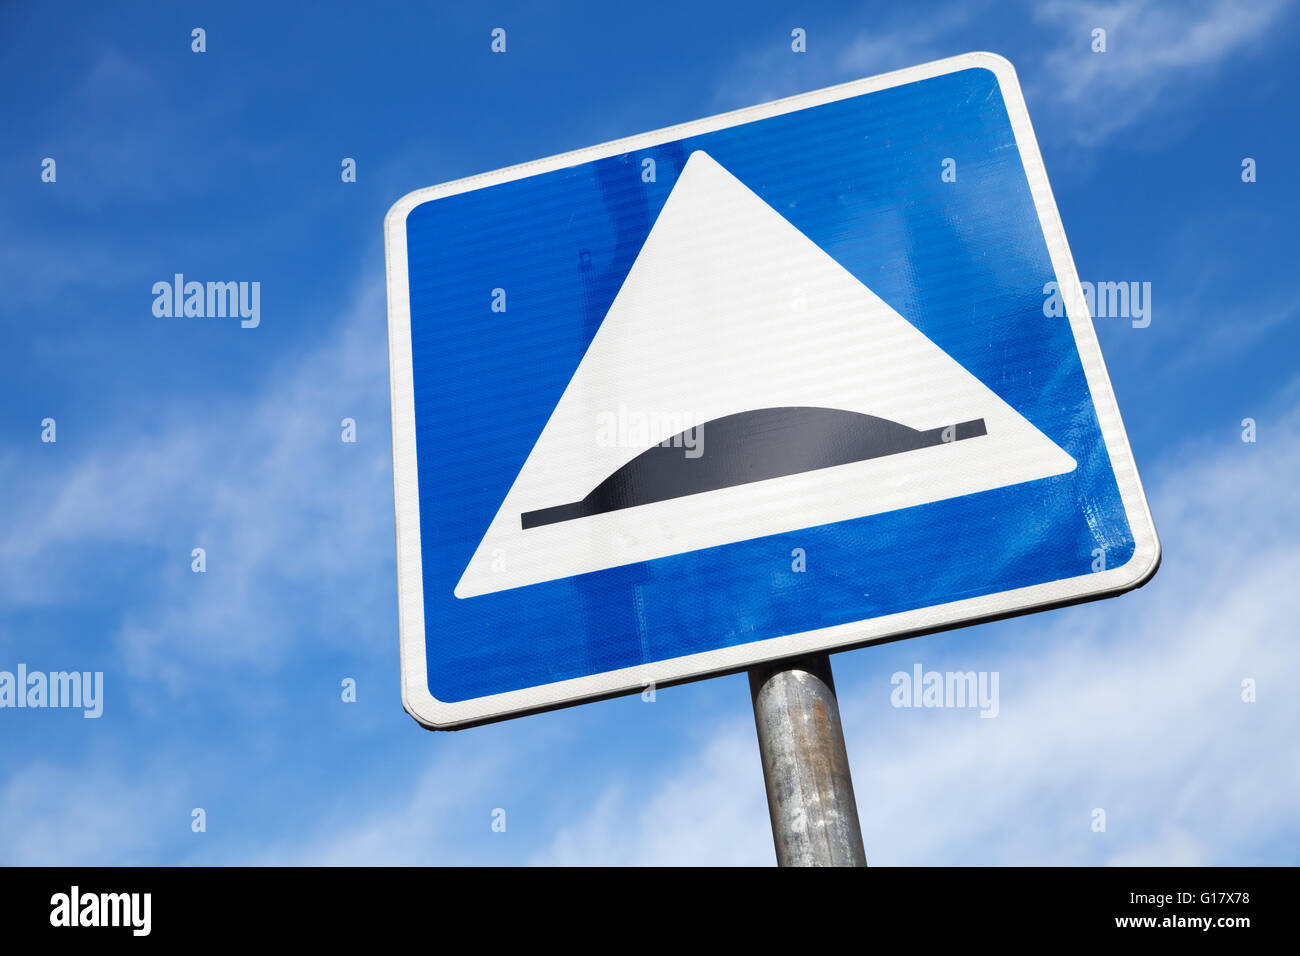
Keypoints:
(771, 383)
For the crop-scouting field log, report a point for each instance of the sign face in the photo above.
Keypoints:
(780, 381)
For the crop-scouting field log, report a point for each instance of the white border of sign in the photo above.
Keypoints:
(433, 713)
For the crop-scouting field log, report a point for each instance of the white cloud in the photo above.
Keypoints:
(706, 807)
(286, 512)
(773, 70)
(91, 816)
(707, 810)
(1156, 57)
(429, 825)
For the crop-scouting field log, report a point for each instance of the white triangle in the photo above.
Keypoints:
(728, 308)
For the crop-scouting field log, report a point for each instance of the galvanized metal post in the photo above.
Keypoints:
(805, 765)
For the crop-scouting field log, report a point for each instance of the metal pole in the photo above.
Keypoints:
(805, 766)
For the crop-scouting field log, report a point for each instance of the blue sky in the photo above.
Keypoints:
(222, 689)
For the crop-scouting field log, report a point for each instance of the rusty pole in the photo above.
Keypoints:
(805, 766)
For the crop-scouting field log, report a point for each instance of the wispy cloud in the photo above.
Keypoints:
(773, 70)
(444, 818)
(291, 518)
(707, 810)
(1157, 57)
(79, 814)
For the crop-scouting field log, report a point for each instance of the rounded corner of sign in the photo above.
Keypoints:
(398, 211)
(1142, 565)
(427, 711)
(1003, 70)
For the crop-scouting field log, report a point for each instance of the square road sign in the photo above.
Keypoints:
(780, 381)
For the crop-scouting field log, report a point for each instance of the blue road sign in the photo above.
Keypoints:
(774, 382)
